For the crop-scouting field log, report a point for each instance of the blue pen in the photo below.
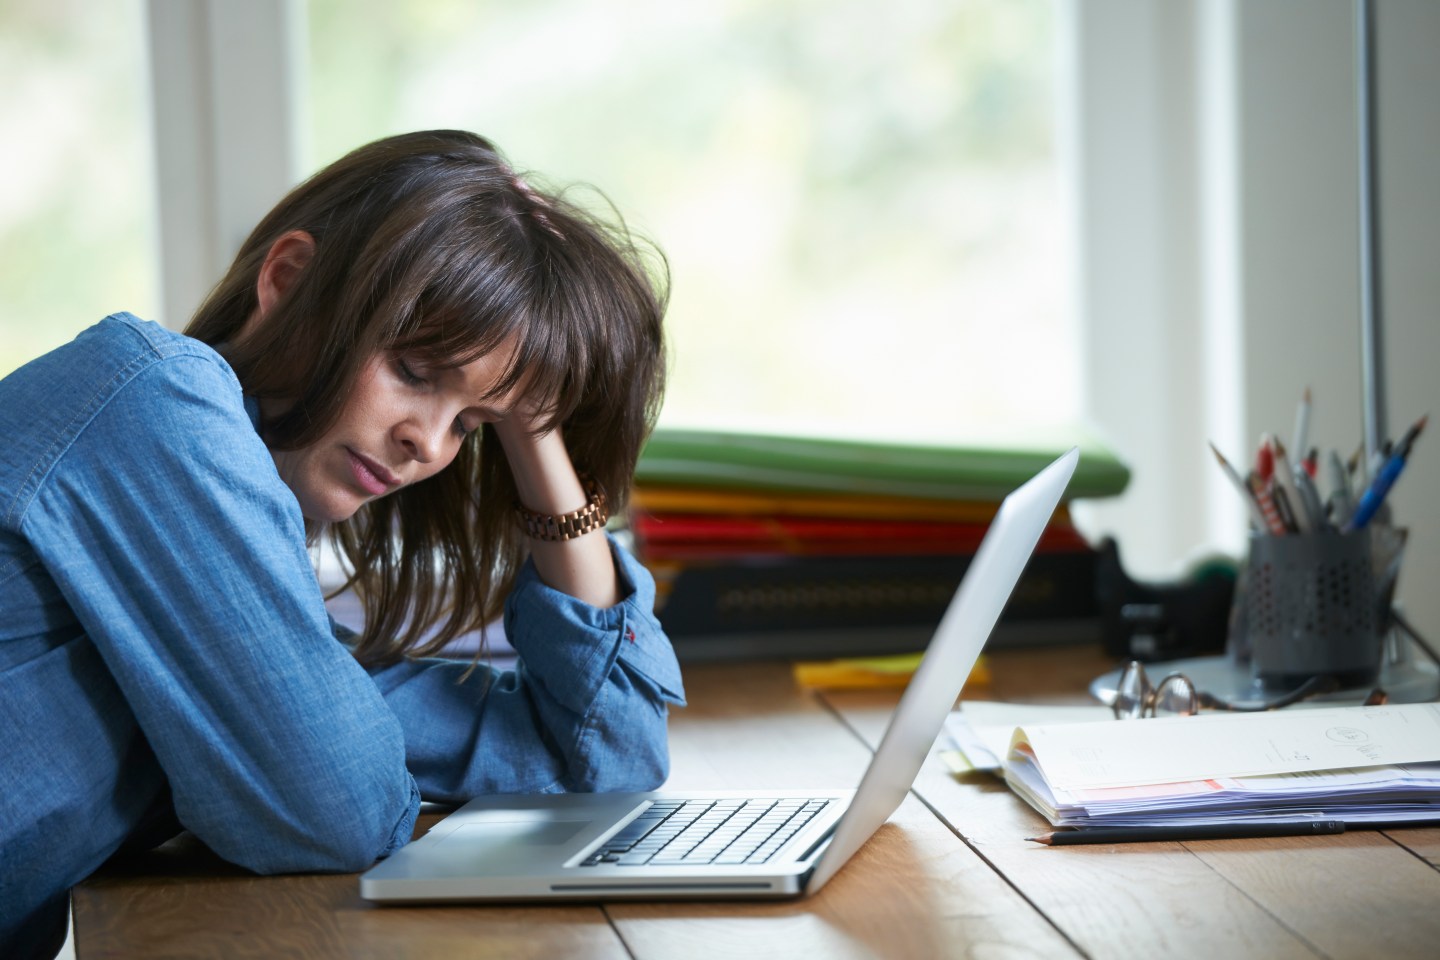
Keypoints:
(1375, 494)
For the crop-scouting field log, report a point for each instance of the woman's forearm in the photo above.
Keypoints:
(547, 483)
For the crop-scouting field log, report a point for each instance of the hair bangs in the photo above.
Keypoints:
(511, 288)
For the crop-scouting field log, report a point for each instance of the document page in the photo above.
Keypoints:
(982, 729)
(1117, 753)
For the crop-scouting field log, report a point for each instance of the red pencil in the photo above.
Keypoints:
(1267, 506)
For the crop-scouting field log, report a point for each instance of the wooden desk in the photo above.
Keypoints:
(950, 875)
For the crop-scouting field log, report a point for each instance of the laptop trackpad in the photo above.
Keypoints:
(523, 831)
(501, 841)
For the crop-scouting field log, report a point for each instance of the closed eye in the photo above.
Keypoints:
(407, 373)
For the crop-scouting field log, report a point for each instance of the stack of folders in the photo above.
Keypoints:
(812, 546)
(1359, 765)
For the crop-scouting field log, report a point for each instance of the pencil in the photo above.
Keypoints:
(1285, 481)
(1268, 511)
(1302, 425)
(1409, 439)
(1204, 831)
(1256, 516)
(1283, 507)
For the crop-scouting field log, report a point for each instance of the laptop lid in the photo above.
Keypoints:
(933, 690)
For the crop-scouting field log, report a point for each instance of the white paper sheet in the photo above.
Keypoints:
(981, 729)
(1126, 753)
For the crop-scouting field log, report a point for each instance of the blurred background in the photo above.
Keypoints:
(962, 221)
(831, 188)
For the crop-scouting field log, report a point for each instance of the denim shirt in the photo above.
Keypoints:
(164, 646)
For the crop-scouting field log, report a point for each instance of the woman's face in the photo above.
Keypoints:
(404, 422)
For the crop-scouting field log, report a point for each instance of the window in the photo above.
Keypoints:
(861, 209)
(76, 198)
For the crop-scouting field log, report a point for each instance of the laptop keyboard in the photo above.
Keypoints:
(692, 832)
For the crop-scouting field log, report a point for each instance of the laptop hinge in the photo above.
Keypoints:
(814, 850)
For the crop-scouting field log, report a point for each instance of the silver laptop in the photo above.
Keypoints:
(722, 844)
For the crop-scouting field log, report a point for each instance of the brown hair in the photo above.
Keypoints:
(429, 243)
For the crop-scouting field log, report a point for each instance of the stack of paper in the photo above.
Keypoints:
(1357, 764)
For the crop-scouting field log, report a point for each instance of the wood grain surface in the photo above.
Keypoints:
(950, 875)
(1360, 894)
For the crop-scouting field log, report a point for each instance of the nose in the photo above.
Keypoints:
(422, 442)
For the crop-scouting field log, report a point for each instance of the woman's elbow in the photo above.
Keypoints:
(342, 845)
(343, 832)
(350, 837)
(626, 760)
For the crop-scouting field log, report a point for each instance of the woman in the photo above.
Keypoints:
(416, 355)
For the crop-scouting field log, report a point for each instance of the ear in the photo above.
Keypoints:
(283, 265)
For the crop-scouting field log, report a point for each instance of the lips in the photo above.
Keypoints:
(371, 476)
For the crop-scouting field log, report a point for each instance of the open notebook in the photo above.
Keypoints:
(723, 844)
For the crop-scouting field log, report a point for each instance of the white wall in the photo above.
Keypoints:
(1143, 173)
(1300, 237)
(1409, 82)
(1218, 178)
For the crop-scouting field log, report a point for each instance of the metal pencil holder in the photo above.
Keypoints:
(1318, 604)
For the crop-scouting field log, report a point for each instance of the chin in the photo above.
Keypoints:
(322, 511)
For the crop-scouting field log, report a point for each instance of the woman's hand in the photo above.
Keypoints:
(547, 483)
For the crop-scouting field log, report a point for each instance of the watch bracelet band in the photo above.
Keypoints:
(554, 528)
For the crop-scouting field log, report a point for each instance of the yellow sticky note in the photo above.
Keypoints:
(957, 761)
(866, 672)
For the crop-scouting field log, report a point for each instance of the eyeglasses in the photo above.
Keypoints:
(1176, 695)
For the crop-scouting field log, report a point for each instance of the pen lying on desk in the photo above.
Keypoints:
(1207, 831)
